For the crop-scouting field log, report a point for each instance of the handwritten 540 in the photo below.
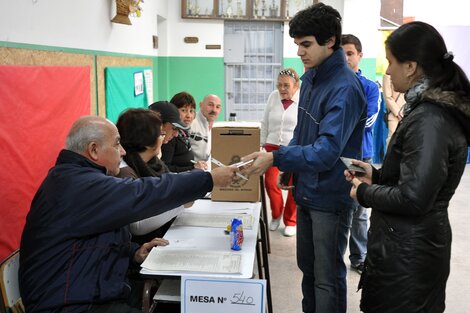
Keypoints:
(240, 298)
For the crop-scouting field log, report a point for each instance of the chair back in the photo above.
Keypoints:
(9, 283)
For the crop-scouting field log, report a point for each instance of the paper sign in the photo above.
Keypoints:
(149, 85)
(138, 83)
(211, 295)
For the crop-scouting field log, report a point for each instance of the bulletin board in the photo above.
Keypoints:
(44, 92)
(125, 88)
(103, 62)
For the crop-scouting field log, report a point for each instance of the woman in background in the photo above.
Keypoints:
(142, 138)
(277, 128)
(177, 153)
(409, 244)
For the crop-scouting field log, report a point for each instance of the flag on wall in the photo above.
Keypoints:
(37, 107)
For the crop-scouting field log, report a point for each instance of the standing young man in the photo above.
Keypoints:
(331, 120)
(358, 238)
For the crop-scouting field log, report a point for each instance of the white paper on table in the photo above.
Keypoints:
(214, 206)
(219, 220)
(181, 244)
(192, 261)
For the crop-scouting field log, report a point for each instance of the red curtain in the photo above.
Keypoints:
(38, 104)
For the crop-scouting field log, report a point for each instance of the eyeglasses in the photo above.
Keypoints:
(162, 134)
(288, 73)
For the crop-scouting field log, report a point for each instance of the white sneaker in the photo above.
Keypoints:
(274, 225)
(290, 231)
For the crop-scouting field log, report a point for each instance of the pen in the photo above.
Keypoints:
(218, 163)
(192, 161)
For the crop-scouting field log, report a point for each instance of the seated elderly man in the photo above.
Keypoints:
(76, 247)
(201, 127)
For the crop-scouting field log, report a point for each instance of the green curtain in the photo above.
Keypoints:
(120, 91)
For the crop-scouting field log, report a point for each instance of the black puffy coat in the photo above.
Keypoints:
(408, 252)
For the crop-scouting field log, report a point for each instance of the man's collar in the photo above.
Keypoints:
(70, 157)
(202, 118)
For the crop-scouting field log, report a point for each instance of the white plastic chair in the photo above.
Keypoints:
(9, 284)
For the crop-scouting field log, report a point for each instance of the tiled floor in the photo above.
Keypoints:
(286, 277)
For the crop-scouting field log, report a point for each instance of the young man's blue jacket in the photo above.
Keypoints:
(330, 124)
(76, 247)
(373, 104)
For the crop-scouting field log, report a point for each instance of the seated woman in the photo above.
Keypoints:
(177, 153)
(142, 137)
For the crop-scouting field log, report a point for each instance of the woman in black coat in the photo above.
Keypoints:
(177, 153)
(409, 244)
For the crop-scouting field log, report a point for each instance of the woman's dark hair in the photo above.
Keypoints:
(139, 129)
(183, 99)
(319, 20)
(421, 43)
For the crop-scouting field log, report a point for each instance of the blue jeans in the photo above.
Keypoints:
(358, 237)
(322, 238)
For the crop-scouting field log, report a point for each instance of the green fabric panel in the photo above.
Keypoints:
(160, 81)
(120, 91)
(295, 63)
(367, 67)
(197, 75)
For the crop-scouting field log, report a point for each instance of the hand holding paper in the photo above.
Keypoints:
(236, 166)
(222, 176)
(359, 169)
(262, 161)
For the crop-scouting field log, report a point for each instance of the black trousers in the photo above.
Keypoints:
(115, 307)
(133, 303)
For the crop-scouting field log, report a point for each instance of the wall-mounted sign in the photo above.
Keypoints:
(213, 47)
(138, 83)
(211, 295)
(191, 39)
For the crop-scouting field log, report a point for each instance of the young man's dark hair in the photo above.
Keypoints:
(321, 21)
(353, 40)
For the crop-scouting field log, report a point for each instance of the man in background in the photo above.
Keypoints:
(358, 237)
(200, 132)
(76, 247)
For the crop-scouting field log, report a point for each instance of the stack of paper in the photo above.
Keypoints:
(192, 261)
(218, 220)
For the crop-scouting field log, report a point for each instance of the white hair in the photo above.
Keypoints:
(85, 130)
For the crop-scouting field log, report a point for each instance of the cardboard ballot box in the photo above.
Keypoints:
(230, 142)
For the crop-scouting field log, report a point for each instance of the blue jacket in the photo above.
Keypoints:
(76, 247)
(330, 124)
(373, 104)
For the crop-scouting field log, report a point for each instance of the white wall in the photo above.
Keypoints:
(364, 25)
(438, 12)
(83, 24)
(209, 32)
